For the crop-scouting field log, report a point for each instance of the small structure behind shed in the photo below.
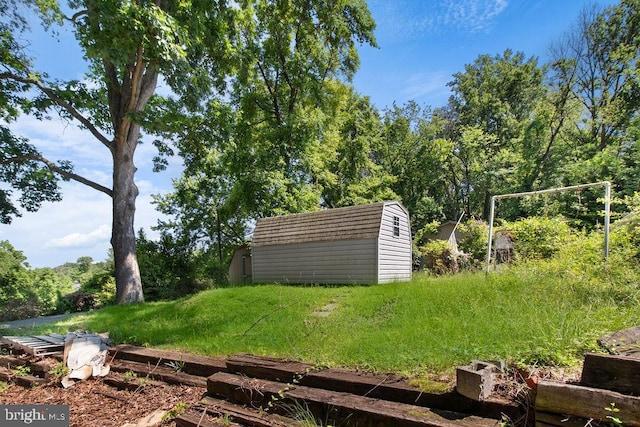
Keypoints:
(444, 232)
(363, 244)
(240, 267)
(504, 247)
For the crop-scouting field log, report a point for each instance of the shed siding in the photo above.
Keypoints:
(240, 266)
(338, 261)
(394, 252)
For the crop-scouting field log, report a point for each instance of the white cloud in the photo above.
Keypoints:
(473, 15)
(82, 240)
(410, 20)
(58, 139)
(80, 224)
(433, 84)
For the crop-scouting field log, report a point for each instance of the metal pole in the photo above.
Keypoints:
(551, 190)
(493, 203)
(607, 208)
(607, 213)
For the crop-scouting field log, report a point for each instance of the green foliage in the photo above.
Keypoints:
(414, 152)
(103, 287)
(21, 371)
(129, 376)
(474, 239)
(626, 231)
(170, 270)
(97, 290)
(440, 258)
(344, 166)
(83, 269)
(26, 292)
(494, 99)
(176, 365)
(537, 237)
(179, 409)
(275, 147)
(614, 419)
(59, 371)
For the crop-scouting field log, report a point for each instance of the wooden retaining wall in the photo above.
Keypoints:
(608, 381)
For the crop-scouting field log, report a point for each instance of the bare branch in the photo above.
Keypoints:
(74, 18)
(64, 173)
(61, 102)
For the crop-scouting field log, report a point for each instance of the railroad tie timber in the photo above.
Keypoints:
(606, 380)
(193, 419)
(188, 363)
(12, 361)
(24, 380)
(610, 372)
(388, 387)
(158, 372)
(239, 414)
(586, 402)
(343, 408)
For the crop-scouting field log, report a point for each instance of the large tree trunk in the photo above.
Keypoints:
(123, 238)
(127, 97)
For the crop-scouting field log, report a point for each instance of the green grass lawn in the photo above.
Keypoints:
(426, 325)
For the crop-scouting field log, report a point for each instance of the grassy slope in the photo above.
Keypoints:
(429, 323)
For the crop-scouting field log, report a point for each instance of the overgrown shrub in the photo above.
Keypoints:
(77, 301)
(97, 292)
(170, 270)
(439, 258)
(26, 292)
(474, 240)
(538, 237)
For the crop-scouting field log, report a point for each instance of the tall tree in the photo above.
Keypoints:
(601, 70)
(494, 99)
(128, 45)
(596, 65)
(415, 152)
(262, 150)
(349, 171)
(291, 54)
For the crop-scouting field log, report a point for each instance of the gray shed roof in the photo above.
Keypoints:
(349, 223)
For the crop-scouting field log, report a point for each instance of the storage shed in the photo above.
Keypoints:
(240, 266)
(364, 244)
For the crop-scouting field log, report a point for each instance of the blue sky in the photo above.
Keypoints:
(422, 44)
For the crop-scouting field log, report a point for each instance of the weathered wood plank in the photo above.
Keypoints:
(24, 380)
(387, 387)
(192, 419)
(268, 368)
(243, 415)
(586, 402)
(190, 363)
(616, 373)
(548, 419)
(133, 384)
(343, 408)
(53, 339)
(161, 373)
(41, 368)
(11, 361)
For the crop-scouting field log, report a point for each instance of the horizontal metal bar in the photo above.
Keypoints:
(550, 190)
